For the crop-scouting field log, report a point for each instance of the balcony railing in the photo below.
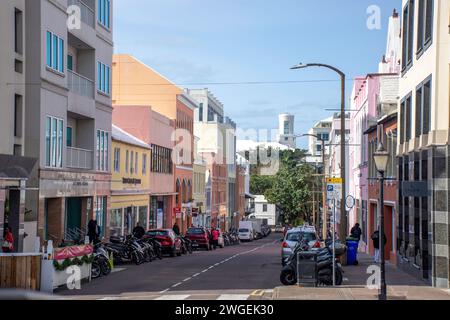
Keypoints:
(79, 158)
(80, 85)
(87, 13)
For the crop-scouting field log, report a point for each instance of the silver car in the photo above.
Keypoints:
(293, 236)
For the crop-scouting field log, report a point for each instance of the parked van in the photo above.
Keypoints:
(246, 231)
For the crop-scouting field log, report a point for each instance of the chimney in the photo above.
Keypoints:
(384, 59)
(395, 14)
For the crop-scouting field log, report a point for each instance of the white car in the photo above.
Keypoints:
(245, 234)
(293, 236)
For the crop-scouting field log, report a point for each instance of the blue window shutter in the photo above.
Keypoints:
(107, 11)
(103, 78)
(61, 55)
(99, 10)
(49, 49)
(99, 76)
(55, 53)
(107, 80)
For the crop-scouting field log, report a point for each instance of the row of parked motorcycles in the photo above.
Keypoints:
(231, 238)
(324, 264)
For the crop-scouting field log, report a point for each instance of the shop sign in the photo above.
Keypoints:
(131, 181)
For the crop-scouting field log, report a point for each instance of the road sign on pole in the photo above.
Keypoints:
(334, 188)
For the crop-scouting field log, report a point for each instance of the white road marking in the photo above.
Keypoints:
(233, 297)
(187, 279)
(176, 285)
(174, 297)
(196, 275)
(109, 298)
(164, 291)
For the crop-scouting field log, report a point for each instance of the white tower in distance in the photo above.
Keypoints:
(286, 130)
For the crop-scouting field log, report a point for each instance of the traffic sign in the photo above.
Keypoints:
(334, 188)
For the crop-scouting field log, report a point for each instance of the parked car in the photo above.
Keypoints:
(278, 228)
(199, 237)
(293, 236)
(170, 242)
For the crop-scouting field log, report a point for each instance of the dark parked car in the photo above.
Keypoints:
(199, 238)
(170, 242)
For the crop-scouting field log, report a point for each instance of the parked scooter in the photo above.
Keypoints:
(100, 265)
(157, 248)
(325, 263)
(126, 250)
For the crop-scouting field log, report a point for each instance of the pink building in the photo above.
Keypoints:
(156, 130)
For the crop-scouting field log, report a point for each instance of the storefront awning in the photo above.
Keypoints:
(15, 167)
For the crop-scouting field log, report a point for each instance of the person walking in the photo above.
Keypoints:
(176, 229)
(356, 232)
(376, 244)
(92, 230)
(138, 231)
(215, 236)
(8, 241)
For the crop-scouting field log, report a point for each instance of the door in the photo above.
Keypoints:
(388, 231)
(73, 217)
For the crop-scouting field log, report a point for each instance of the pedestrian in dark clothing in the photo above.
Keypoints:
(138, 231)
(92, 231)
(376, 244)
(356, 232)
(176, 229)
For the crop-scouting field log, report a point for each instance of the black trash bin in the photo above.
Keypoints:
(307, 268)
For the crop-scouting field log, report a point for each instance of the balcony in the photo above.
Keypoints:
(87, 13)
(79, 159)
(80, 85)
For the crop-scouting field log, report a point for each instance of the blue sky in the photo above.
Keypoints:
(217, 41)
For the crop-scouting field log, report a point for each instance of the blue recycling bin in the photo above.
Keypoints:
(352, 252)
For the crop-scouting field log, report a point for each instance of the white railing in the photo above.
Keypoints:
(87, 13)
(79, 158)
(80, 85)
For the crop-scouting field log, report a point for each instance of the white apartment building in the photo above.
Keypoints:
(423, 144)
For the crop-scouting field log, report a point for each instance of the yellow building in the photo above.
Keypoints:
(130, 194)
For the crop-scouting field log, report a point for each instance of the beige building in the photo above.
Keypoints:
(423, 144)
(14, 168)
(68, 115)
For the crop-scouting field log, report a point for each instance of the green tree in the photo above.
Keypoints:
(292, 186)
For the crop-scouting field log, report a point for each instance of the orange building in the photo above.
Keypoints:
(136, 84)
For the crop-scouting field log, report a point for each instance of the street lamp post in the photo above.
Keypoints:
(343, 219)
(381, 158)
(324, 188)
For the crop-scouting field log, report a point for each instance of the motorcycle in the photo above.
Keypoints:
(100, 265)
(325, 263)
(186, 245)
(157, 248)
(126, 250)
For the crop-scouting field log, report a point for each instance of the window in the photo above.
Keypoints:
(425, 25)
(117, 159)
(161, 160)
(102, 150)
(200, 112)
(286, 127)
(264, 207)
(104, 78)
(408, 35)
(55, 52)
(423, 108)
(210, 114)
(18, 31)
(100, 214)
(144, 164)
(18, 109)
(69, 62)
(104, 13)
(405, 119)
(136, 163)
(319, 148)
(132, 162)
(69, 133)
(53, 142)
(127, 164)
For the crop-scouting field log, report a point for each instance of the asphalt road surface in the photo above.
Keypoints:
(236, 270)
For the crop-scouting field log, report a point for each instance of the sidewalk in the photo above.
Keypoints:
(400, 285)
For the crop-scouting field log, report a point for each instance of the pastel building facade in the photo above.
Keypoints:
(423, 144)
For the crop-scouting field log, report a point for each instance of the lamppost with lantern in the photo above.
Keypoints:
(381, 158)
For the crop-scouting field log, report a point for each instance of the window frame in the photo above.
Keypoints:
(55, 61)
(424, 42)
(54, 147)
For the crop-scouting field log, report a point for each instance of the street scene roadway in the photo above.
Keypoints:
(234, 272)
